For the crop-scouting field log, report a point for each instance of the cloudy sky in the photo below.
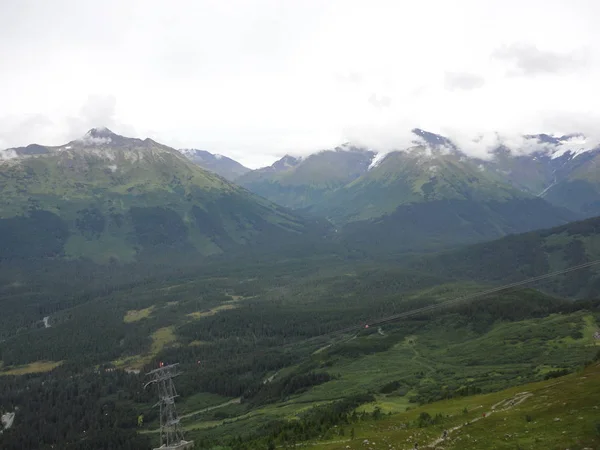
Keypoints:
(255, 79)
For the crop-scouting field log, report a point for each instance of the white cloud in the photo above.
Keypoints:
(461, 80)
(94, 140)
(7, 154)
(530, 60)
(256, 80)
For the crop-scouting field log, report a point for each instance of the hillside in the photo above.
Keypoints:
(561, 170)
(432, 197)
(542, 161)
(444, 224)
(219, 164)
(527, 255)
(420, 174)
(302, 182)
(580, 189)
(108, 197)
(554, 414)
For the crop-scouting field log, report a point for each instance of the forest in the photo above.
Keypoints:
(298, 321)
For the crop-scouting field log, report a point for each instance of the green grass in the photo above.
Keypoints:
(436, 357)
(161, 338)
(553, 414)
(34, 367)
(136, 315)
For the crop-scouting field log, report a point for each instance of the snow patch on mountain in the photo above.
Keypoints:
(574, 146)
(377, 159)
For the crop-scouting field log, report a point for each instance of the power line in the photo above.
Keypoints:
(455, 300)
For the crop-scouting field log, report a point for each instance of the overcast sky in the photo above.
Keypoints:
(255, 79)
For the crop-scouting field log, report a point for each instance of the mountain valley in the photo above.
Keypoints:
(296, 310)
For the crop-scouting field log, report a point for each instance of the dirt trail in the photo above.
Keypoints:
(503, 405)
(210, 408)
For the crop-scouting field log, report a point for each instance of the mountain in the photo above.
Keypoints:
(219, 164)
(562, 170)
(302, 182)
(432, 196)
(522, 256)
(579, 190)
(425, 172)
(427, 197)
(109, 197)
(357, 184)
(442, 224)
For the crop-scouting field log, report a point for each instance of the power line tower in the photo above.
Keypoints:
(171, 435)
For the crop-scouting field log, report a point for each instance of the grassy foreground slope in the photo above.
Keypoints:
(553, 414)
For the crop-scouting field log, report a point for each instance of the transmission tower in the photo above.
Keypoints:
(171, 435)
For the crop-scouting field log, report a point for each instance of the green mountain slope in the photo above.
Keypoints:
(420, 174)
(580, 189)
(433, 197)
(517, 257)
(300, 183)
(109, 197)
(443, 224)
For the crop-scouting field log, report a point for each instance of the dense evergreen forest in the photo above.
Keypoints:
(296, 321)
(278, 325)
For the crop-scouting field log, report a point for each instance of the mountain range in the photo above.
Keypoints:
(433, 193)
(109, 197)
(352, 183)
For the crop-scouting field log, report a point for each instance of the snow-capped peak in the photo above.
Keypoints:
(574, 145)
